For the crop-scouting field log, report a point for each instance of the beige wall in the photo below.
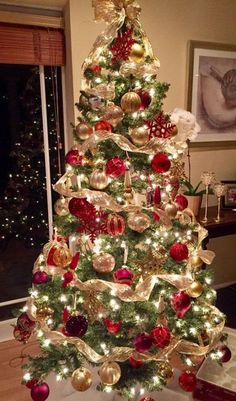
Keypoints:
(169, 25)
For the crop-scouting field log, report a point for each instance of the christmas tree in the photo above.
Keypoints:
(124, 284)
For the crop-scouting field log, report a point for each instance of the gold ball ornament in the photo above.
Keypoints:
(43, 313)
(98, 179)
(171, 210)
(139, 136)
(83, 131)
(130, 102)
(165, 370)
(103, 262)
(61, 206)
(110, 373)
(196, 261)
(81, 379)
(195, 290)
(113, 114)
(137, 53)
(138, 221)
(62, 256)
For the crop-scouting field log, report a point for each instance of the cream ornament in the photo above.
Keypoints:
(103, 262)
(138, 221)
(98, 179)
(186, 124)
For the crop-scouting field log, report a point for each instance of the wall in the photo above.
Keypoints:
(169, 25)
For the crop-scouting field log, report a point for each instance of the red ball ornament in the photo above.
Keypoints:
(115, 224)
(112, 327)
(81, 208)
(123, 276)
(94, 68)
(160, 163)
(115, 167)
(31, 383)
(160, 336)
(226, 353)
(188, 381)
(50, 261)
(143, 342)
(76, 326)
(21, 335)
(74, 158)
(156, 217)
(181, 303)
(24, 323)
(179, 252)
(67, 278)
(40, 277)
(103, 126)
(40, 392)
(147, 399)
(145, 99)
(181, 201)
(135, 363)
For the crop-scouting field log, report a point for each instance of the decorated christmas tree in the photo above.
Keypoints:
(123, 287)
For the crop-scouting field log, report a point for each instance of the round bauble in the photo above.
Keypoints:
(81, 379)
(94, 69)
(113, 114)
(103, 262)
(115, 167)
(61, 206)
(135, 363)
(226, 353)
(171, 210)
(138, 221)
(40, 277)
(160, 163)
(139, 136)
(179, 252)
(21, 335)
(147, 399)
(31, 383)
(123, 276)
(196, 261)
(181, 201)
(143, 342)
(98, 179)
(74, 158)
(181, 303)
(81, 208)
(136, 53)
(83, 131)
(67, 278)
(130, 102)
(25, 323)
(110, 373)
(44, 312)
(103, 126)
(40, 392)
(62, 256)
(187, 381)
(112, 327)
(165, 370)
(195, 290)
(145, 99)
(161, 336)
(115, 224)
(76, 326)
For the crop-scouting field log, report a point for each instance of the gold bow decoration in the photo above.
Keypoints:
(111, 10)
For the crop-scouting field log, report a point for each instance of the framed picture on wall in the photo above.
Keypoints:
(229, 199)
(212, 90)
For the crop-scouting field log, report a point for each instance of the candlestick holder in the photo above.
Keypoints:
(219, 190)
(207, 178)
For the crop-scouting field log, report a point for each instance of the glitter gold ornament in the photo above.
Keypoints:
(83, 131)
(110, 373)
(81, 379)
(103, 262)
(195, 290)
(43, 312)
(196, 261)
(62, 256)
(152, 263)
(61, 206)
(113, 114)
(139, 136)
(171, 210)
(130, 102)
(98, 179)
(138, 221)
(165, 370)
(136, 53)
(93, 307)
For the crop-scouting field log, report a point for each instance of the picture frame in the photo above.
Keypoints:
(229, 199)
(211, 94)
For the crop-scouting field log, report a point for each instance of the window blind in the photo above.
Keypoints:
(31, 45)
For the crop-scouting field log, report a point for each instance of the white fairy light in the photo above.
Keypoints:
(103, 346)
(141, 391)
(114, 304)
(156, 379)
(142, 177)
(196, 308)
(58, 378)
(189, 232)
(46, 342)
(188, 362)
(27, 376)
(132, 391)
(135, 115)
(108, 389)
(45, 298)
(193, 331)
(208, 280)
(152, 91)
(34, 294)
(98, 80)
(39, 333)
(65, 370)
(25, 308)
(49, 321)
(63, 298)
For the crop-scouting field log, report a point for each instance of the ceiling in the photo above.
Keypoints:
(48, 4)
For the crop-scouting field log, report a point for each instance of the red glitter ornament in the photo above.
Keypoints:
(123, 276)
(181, 201)
(156, 217)
(121, 46)
(115, 224)
(147, 399)
(160, 163)
(115, 167)
(135, 363)
(74, 158)
(160, 336)
(188, 381)
(159, 127)
(31, 383)
(50, 261)
(94, 68)
(24, 323)
(157, 196)
(40, 392)
(67, 278)
(76, 326)
(94, 226)
(103, 126)
(75, 260)
(65, 315)
(143, 342)
(40, 277)
(21, 335)
(179, 252)
(145, 99)
(112, 327)
(226, 353)
(81, 208)
(181, 303)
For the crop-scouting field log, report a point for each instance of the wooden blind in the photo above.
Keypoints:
(31, 45)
